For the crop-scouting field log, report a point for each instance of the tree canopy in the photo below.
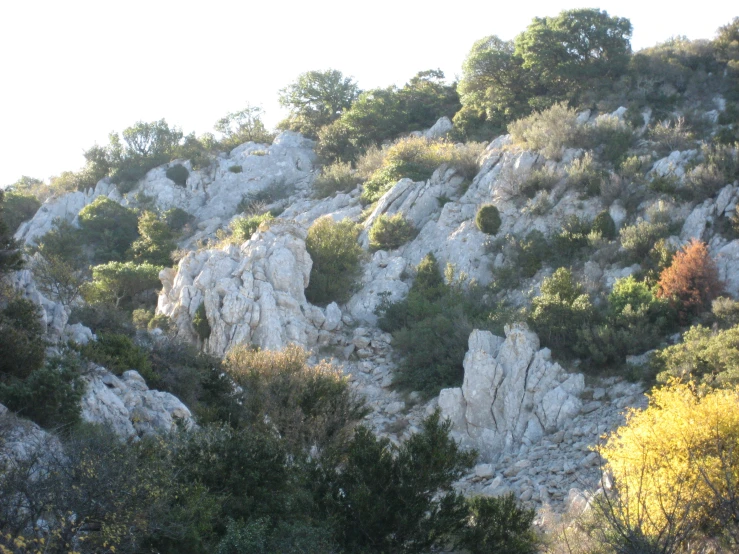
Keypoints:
(316, 99)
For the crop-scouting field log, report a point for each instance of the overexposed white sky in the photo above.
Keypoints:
(72, 71)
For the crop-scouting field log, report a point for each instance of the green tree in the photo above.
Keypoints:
(575, 50)
(156, 241)
(22, 347)
(18, 207)
(117, 282)
(109, 227)
(495, 87)
(64, 242)
(144, 146)
(392, 500)
(243, 126)
(57, 279)
(316, 99)
(426, 98)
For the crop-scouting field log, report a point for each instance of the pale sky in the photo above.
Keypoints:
(73, 71)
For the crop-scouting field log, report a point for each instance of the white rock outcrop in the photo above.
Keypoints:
(65, 207)
(214, 192)
(128, 407)
(252, 294)
(512, 395)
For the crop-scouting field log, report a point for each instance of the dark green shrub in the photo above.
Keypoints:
(118, 353)
(498, 524)
(179, 174)
(22, 346)
(103, 318)
(247, 468)
(336, 255)
(388, 499)
(389, 232)
(559, 311)
(197, 379)
(337, 177)
(235, 169)
(430, 329)
(17, 208)
(525, 257)
(177, 218)
(11, 258)
(200, 322)
(109, 228)
(604, 225)
(63, 242)
(488, 219)
(50, 395)
(638, 239)
(569, 241)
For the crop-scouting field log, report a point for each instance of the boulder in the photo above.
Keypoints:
(128, 406)
(512, 395)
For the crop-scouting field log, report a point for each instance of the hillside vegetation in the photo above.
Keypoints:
(598, 218)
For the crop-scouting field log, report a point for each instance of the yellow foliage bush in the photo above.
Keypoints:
(675, 465)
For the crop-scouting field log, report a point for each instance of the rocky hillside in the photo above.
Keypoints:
(522, 289)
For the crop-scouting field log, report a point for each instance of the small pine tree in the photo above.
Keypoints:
(691, 282)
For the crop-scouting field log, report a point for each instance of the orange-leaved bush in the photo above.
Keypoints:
(691, 282)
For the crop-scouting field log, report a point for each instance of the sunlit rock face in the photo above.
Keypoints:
(512, 394)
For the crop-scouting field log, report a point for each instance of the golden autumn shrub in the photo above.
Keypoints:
(675, 466)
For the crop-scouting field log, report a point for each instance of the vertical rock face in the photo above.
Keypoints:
(512, 395)
(253, 294)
